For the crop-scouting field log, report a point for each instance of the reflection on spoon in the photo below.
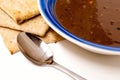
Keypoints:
(39, 53)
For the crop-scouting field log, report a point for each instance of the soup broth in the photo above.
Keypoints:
(97, 21)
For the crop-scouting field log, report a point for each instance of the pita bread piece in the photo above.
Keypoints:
(36, 25)
(20, 10)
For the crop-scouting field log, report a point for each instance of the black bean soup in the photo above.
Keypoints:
(97, 21)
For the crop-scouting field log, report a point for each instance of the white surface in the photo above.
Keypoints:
(89, 65)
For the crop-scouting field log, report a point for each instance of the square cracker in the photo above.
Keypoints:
(36, 25)
(10, 38)
(51, 37)
(20, 10)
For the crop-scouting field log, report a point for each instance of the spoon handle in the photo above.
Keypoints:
(67, 71)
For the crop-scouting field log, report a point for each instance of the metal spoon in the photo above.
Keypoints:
(39, 53)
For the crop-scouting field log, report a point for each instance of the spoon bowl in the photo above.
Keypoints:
(38, 52)
(32, 48)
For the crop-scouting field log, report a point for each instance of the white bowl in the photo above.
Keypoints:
(46, 8)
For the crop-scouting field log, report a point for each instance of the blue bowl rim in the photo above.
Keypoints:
(45, 9)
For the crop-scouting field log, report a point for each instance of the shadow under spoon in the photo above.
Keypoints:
(39, 53)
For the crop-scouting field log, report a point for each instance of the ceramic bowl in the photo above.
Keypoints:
(46, 8)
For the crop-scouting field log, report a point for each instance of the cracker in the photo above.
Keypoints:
(52, 37)
(36, 25)
(9, 37)
(20, 10)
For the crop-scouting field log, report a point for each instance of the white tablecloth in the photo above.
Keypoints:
(91, 66)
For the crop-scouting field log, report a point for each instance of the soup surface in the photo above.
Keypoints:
(97, 21)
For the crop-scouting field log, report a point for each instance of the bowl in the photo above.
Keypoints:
(46, 8)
